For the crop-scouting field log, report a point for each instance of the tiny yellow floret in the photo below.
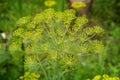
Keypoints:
(78, 4)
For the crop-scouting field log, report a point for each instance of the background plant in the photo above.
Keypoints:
(110, 21)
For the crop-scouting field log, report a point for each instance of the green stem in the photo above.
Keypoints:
(44, 72)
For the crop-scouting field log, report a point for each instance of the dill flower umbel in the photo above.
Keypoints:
(50, 3)
(78, 4)
(50, 42)
(97, 77)
(29, 76)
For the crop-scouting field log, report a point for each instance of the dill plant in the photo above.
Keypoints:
(51, 43)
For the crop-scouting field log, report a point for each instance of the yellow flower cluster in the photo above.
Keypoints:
(30, 76)
(69, 60)
(78, 4)
(15, 46)
(59, 16)
(98, 30)
(83, 37)
(93, 30)
(97, 77)
(44, 47)
(18, 32)
(105, 77)
(98, 46)
(23, 20)
(69, 15)
(50, 3)
(84, 48)
(80, 21)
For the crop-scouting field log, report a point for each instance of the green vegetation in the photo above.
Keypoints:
(47, 41)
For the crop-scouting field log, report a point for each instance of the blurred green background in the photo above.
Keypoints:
(103, 12)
